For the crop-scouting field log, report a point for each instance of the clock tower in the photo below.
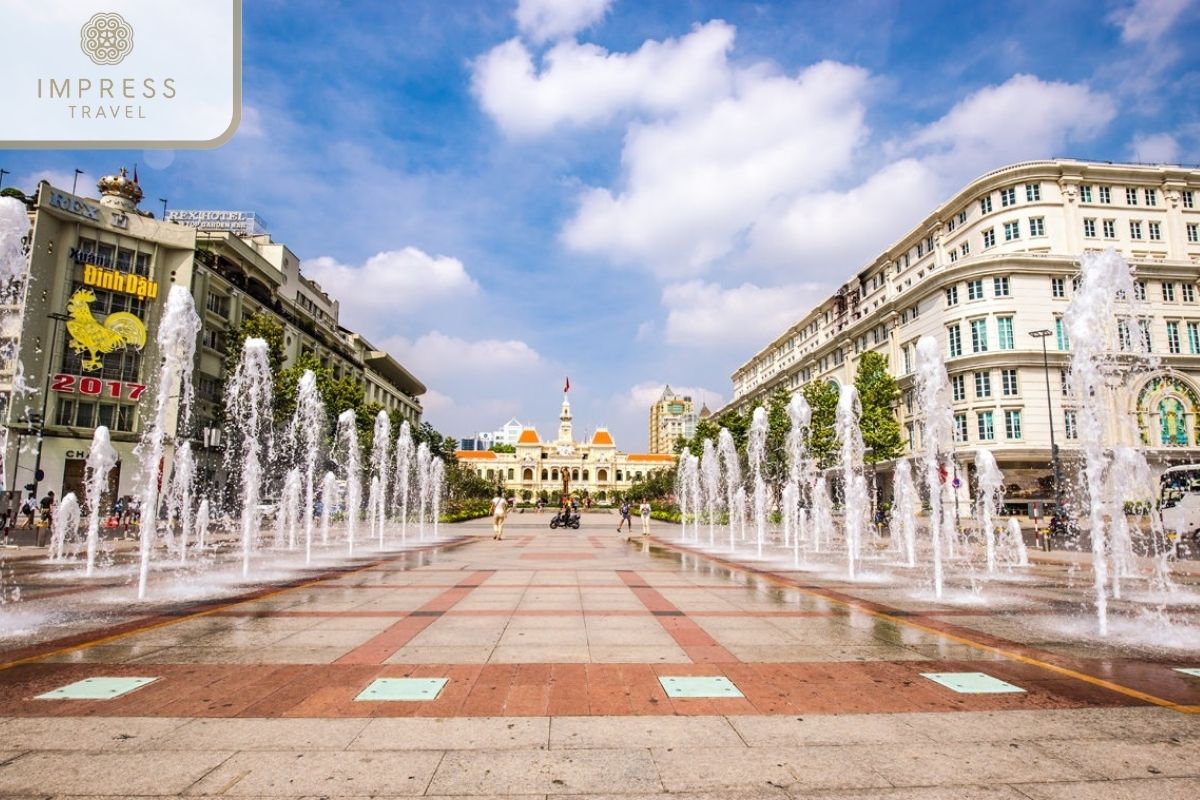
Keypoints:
(564, 421)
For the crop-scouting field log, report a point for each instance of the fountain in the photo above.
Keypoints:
(307, 432)
(694, 493)
(423, 457)
(733, 482)
(404, 457)
(989, 494)
(101, 459)
(288, 510)
(202, 515)
(328, 498)
(710, 473)
(933, 390)
(903, 520)
(14, 266)
(756, 450)
(855, 499)
(799, 470)
(437, 483)
(379, 472)
(684, 476)
(346, 442)
(1097, 321)
(177, 334)
(248, 406)
(66, 526)
(179, 499)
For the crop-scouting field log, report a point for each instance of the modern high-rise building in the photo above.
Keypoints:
(672, 416)
(989, 274)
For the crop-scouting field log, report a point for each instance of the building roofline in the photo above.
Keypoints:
(1064, 166)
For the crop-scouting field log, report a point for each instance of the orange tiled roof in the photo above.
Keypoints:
(528, 436)
(602, 436)
(664, 458)
(478, 455)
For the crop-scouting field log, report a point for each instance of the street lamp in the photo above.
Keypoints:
(75, 181)
(41, 434)
(1043, 335)
(163, 200)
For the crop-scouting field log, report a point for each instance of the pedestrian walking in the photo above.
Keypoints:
(28, 510)
(644, 510)
(499, 510)
(47, 505)
(625, 520)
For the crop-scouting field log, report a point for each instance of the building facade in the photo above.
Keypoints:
(988, 268)
(593, 467)
(672, 416)
(99, 275)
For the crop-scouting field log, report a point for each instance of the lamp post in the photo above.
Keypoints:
(1054, 461)
(75, 180)
(41, 434)
(163, 200)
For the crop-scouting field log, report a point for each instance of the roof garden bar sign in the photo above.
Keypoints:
(121, 73)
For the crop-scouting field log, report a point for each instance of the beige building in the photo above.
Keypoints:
(989, 267)
(127, 261)
(672, 416)
(563, 465)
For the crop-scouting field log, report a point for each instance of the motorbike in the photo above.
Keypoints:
(565, 519)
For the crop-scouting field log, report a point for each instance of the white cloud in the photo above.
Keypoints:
(1145, 21)
(582, 84)
(834, 232)
(389, 282)
(434, 402)
(542, 20)
(1023, 118)
(1156, 148)
(695, 184)
(705, 315)
(439, 355)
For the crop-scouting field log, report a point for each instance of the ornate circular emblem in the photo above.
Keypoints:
(106, 38)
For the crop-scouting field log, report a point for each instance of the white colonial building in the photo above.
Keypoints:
(988, 268)
(565, 466)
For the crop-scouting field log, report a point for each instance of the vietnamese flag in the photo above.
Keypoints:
(567, 385)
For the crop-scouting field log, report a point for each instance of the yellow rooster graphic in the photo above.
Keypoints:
(119, 330)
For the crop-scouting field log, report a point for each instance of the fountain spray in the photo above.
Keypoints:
(101, 459)
(248, 403)
(934, 393)
(177, 333)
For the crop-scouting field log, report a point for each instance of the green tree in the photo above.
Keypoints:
(256, 326)
(778, 426)
(878, 393)
(822, 442)
(501, 447)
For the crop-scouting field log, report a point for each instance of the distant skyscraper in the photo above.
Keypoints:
(671, 416)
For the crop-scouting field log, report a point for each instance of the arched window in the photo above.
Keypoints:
(527, 475)
(1171, 416)
(619, 477)
(510, 474)
(491, 474)
(585, 474)
(638, 476)
(601, 475)
(545, 475)
(554, 474)
(575, 474)
(1167, 412)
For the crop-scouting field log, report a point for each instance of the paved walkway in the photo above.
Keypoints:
(558, 650)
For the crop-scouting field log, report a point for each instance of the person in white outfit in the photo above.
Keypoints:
(644, 510)
(499, 510)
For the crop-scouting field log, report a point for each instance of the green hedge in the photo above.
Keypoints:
(473, 508)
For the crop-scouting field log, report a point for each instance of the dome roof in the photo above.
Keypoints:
(121, 185)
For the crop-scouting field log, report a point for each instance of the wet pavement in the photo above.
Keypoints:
(563, 655)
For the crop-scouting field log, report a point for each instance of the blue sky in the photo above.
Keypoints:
(503, 193)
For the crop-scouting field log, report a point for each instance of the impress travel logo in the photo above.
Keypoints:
(125, 73)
